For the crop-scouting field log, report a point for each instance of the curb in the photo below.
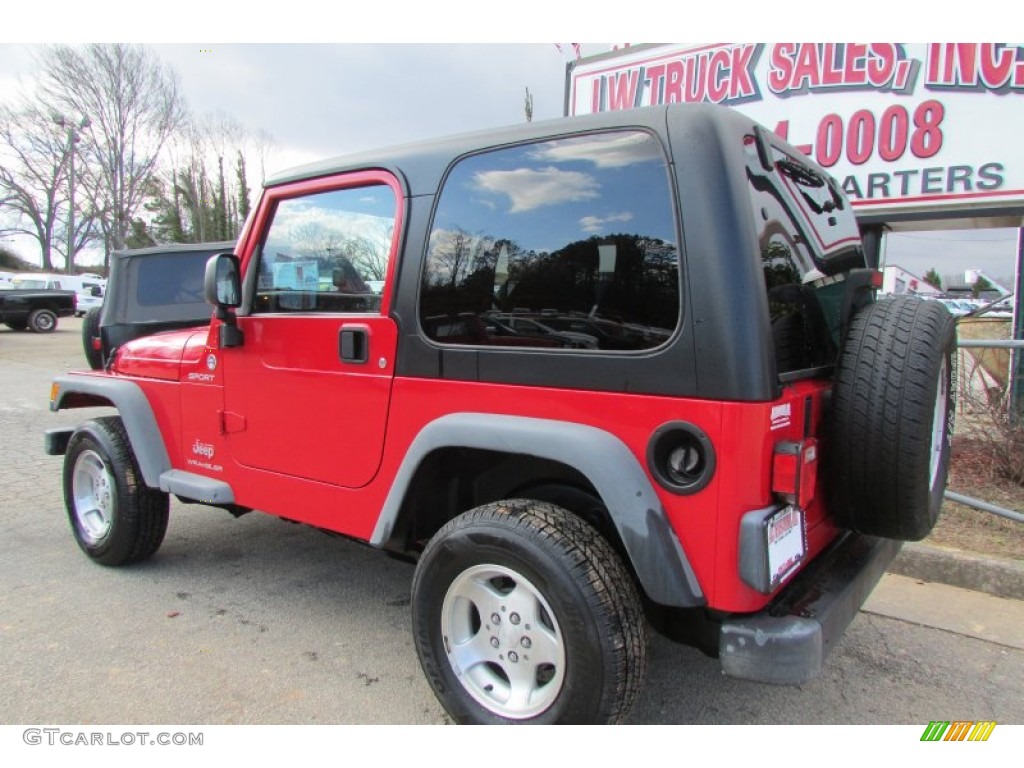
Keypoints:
(994, 576)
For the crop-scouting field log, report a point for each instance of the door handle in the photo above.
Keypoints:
(353, 345)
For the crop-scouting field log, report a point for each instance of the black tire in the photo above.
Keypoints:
(91, 331)
(558, 590)
(42, 321)
(892, 419)
(115, 517)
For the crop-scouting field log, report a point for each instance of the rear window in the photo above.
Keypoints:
(808, 239)
(568, 243)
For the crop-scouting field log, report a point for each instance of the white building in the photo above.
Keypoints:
(898, 280)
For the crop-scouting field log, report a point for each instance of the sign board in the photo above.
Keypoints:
(907, 129)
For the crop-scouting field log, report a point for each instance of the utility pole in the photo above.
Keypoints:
(73, 138)
(1017, 334)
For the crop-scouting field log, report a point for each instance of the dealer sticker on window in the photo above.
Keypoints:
(786, 542)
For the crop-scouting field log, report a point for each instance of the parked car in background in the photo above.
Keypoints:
(35, 309)
(89, 287)
(150, 290)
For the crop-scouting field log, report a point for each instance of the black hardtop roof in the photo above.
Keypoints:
(173, 248)
(422, 163)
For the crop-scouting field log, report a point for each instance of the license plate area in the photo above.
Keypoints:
(785, 541)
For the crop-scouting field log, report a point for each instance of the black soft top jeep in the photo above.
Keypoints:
(149, 290)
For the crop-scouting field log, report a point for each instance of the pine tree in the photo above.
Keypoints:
(980, 286)
(243, 189)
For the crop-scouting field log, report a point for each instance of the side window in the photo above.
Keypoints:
(170, 279)
(327, 252)
(568, 243)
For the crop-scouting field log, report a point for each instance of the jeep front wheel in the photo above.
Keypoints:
(522, 612)
(115, 517)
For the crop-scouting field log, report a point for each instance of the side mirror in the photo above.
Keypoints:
(222, 287)
(222, 284)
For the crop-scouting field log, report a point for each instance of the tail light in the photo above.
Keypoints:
(795, 471)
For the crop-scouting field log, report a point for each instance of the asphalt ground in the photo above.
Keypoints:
(258, 621)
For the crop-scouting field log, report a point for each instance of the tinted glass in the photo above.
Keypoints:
(157, 288)
(808, 237)
(171, 279)
(561, 244)
(327, 252)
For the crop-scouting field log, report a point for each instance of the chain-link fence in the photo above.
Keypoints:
(989, 385)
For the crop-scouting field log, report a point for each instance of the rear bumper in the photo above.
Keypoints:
(788, 642)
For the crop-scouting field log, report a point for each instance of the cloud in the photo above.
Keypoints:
(615, 150)
(306, 221)
(596, 223)
(528, 188)
(323, 101)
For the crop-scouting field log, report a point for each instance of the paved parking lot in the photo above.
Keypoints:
(260, 621)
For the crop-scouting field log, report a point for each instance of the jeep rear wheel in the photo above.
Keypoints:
(115, 517)
(892, 419)
(522, 612)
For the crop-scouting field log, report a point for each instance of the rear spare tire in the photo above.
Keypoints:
(90, 338)
(891, 421)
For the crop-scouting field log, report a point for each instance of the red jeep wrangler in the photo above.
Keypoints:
(710, 427)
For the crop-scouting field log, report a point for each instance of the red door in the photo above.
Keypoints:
(307, 392)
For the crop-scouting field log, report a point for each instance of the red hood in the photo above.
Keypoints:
(158, 356)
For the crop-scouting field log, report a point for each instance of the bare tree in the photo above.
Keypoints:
(133, 103)
(32, 183)
(196, 198)
(453, 253)
(369, 254)
(263, 144)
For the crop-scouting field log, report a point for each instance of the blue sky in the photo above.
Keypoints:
(323, 99)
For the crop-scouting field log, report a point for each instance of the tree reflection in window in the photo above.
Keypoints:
(576, 236)
(327, 252)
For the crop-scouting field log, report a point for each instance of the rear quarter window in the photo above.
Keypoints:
(568, 243)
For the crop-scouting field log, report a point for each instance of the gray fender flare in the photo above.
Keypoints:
(635, 509)
(145, 436)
